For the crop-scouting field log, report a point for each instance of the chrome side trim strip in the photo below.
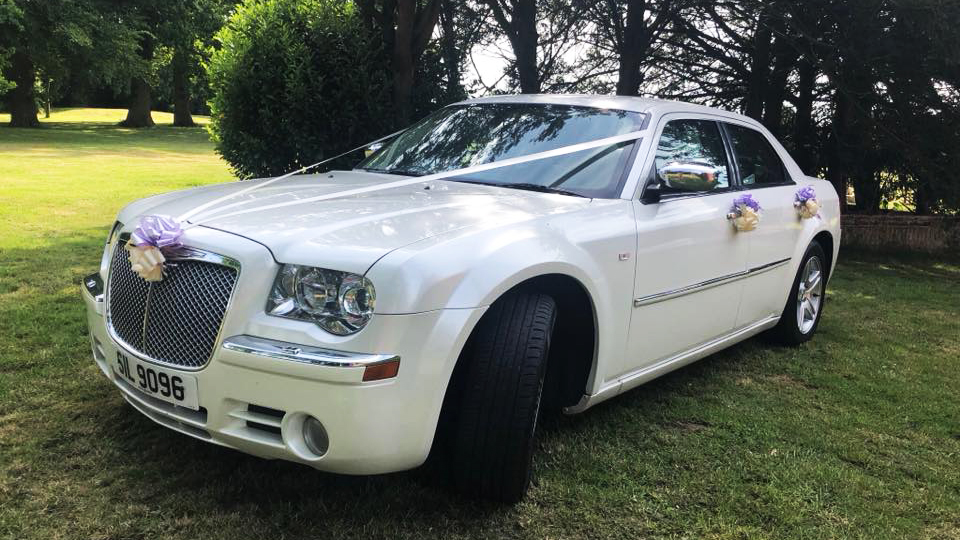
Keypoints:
(708, 284)
(304, 354)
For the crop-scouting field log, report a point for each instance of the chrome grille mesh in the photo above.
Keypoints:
(176, 320)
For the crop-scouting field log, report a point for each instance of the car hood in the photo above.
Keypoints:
(350, 233)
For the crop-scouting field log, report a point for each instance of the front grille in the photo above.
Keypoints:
(176, 320)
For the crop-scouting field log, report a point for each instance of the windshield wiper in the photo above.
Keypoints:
(527, 186)
(401, 172)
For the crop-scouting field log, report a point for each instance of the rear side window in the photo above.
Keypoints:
(758, 162)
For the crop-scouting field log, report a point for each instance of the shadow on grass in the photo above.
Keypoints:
(103, 134)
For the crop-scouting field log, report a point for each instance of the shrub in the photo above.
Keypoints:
(295, 81)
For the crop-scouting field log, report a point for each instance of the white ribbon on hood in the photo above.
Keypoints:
(216, 213)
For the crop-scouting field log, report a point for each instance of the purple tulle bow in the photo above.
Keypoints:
(805, 194)
(746, 200)
(158, 231)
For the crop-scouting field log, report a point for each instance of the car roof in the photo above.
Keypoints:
(624, 103)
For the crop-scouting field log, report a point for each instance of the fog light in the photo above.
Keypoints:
(315, 436)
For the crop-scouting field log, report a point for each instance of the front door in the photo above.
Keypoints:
(690, 259)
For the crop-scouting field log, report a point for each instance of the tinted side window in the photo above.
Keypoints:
(691, 157)
(757, 160)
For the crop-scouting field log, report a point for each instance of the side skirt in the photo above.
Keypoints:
(647, 373)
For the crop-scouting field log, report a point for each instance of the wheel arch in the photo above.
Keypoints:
(572, 361)
(825, 239)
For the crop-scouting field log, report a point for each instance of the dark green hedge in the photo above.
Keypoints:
(295, 81)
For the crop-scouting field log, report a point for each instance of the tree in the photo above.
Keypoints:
(188, 30)
(547, 52)
(629, 31)
(9, 22)
(517, 19)
(46, 39)
(138, 113)
(405, 28)
(295, 81)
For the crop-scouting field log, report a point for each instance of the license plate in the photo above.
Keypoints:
(164, 384)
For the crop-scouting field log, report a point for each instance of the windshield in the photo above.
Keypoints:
(467, 135)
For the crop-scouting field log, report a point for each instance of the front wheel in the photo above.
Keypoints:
(506, 359)
(801, 315)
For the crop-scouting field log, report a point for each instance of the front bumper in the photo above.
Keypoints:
(373, 427)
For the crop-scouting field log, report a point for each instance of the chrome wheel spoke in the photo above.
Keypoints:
(813, 281)
(809, 294)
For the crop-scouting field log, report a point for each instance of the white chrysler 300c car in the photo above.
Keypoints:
(403, 312)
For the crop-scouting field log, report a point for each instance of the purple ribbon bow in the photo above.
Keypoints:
(805, 194)
(158, 231)
(746, 200)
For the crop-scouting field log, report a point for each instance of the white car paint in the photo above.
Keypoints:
(439, 253)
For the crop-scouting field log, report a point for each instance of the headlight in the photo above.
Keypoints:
(339, 302)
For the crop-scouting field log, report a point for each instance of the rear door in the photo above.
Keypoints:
(762, 173)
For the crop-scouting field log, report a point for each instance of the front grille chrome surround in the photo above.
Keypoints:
(175, 322)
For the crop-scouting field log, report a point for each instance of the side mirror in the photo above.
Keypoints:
(688, 176)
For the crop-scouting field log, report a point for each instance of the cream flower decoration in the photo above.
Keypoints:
(745, 213)
(806, 202)
(748, 219)
(809, 209)
(147, 261)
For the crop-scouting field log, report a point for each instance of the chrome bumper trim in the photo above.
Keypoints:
(304, 354)
(710, 283)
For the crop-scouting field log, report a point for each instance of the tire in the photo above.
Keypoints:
(493, 434)
(791, 330)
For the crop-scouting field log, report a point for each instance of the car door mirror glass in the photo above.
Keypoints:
(692, 176)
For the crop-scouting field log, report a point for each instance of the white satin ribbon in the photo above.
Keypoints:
(556, 152)
(202, 207)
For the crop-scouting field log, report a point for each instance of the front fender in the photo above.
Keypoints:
(594, 245)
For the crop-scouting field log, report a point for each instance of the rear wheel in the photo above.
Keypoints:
(493, 433)
(801, 314)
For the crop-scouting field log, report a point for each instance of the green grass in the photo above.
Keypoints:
(856, 434)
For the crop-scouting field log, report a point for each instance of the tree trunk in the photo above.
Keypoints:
(181, 89)
(138, 115)
(448, 48)
(47, 98)
(785, 57)
(633, 49)
(524, 40)
(22, 101)
(838, 170)
(759, 67)
(403, 74)
(803, 128)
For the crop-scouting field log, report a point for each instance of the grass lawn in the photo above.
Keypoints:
(856, 434)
